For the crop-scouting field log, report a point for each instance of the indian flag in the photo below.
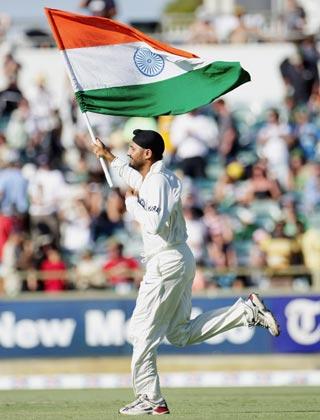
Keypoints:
(117, 70)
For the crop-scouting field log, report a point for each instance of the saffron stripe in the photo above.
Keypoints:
(72, 30)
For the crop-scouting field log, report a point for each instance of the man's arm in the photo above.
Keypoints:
(132, 177)
(153, 214)
(100, 150)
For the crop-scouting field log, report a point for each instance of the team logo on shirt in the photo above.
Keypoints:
(148, 208)
(147, 62)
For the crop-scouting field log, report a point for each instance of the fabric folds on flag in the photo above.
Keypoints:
(117, 70)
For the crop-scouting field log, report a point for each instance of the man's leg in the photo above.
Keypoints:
(183, 331)
(159, 295)
(251, 312)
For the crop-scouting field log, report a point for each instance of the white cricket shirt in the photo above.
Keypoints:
(157, 208)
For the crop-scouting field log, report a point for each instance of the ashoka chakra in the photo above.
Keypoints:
(148, 63)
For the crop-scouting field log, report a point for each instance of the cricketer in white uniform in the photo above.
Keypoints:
(163, 305)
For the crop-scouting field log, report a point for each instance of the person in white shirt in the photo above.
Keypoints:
(273, 139)
(163, 304)
(193, 135)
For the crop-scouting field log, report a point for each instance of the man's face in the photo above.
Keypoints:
(137, 156)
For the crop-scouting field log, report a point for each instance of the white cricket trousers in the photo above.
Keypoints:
(163, 308)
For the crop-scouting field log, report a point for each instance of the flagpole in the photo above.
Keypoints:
(102, 161)
(74, 83)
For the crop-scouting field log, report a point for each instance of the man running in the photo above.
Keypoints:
(163, 304)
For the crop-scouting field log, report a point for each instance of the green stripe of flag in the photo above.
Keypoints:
(177, 95)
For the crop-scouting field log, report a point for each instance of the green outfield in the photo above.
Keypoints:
(188, 404)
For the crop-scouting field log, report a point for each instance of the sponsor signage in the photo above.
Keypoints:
(52, 328)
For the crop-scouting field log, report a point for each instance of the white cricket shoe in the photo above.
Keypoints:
(142, 405)
(262, 316)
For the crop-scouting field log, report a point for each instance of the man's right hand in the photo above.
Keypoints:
(100, 150)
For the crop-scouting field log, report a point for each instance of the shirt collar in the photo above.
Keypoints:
(156, 167)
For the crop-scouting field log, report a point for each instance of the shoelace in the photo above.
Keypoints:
(257, 318)
(253, 314)
(260, 320)
(140, 399)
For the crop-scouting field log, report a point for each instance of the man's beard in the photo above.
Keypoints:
(135, 165)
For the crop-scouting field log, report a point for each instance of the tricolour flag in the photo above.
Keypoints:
(117, 70)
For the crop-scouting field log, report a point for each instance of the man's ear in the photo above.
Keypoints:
(148, 153)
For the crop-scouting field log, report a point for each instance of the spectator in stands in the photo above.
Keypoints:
(193, 135)
(280, 250)
(46, 192)
(5, 150)
(20, 127)
(288, 110)
(6, 227)
(53, 271)
(42, 105)
(13, 187)
(306, 132)
(311, 192)
(228, 189)
(299, 172)
(121, 272)
(314, 106)
(293, 218)
(13, 199)
(260, 186)
(10, 257)
(110, 219)
(228, 138)
(88, 273)
(11, 67)
(197, 232)
(257, 258)
(202, 30)
(11, 95)
(242, 33)
(93, 199)
(217, 223)
(55, 149)
(294, 19)
(273, 140)
(75, 223)
(221, 252)
(310, 54)
(27, 265)
(299, 81)
(103, 8)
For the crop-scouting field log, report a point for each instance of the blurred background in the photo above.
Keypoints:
(70, 262)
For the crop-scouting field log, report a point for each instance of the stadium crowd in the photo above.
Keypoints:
(251, 187)
(243, 26)
(233, 24)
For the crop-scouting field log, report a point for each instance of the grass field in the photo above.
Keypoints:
(188, 404)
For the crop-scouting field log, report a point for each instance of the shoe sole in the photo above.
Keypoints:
(151, 413)
(143, 413)
(274, 328)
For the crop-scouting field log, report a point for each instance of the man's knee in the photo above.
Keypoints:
(177, 341)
